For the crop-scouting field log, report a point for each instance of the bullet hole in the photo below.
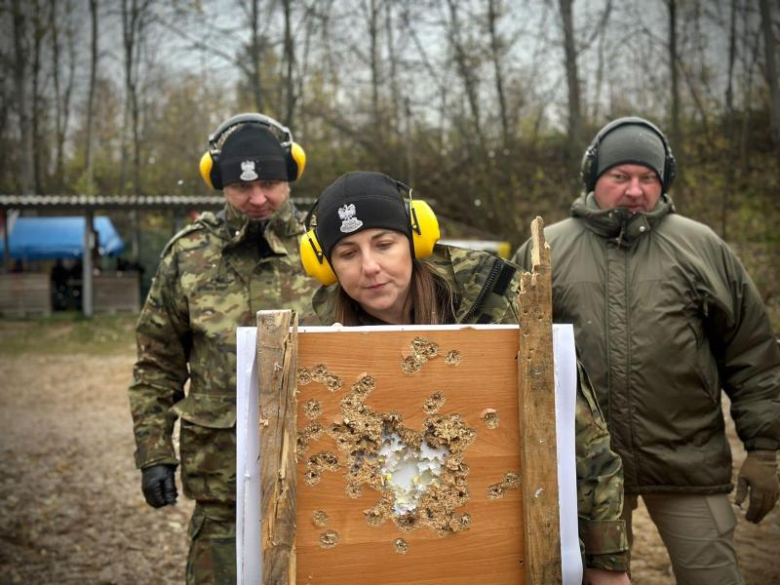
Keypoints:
(333, 383)
(401, 546)
(511, 481)
(452, 358)
(490, 418)
(319, 372)
(312, 475)
(363, 386)
(460, 522)
(434, 403)
(312, 409)
(310, 432)
(319, 519)
(304, 377)
(495, 491)
(329, 539)
(410, 365)
(423, 348)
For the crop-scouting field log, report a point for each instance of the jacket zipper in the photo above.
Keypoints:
(489, 281)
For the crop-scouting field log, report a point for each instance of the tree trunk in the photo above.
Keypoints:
(290, 97)
(771, 71)
(256, 48)
(39, 32)
(673, 73)
(465, 71)
(26, 177)
(572, 80)
(93, 12)
(730, 123)
(496, 49)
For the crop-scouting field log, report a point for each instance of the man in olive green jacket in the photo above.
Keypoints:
(665, 317)
(213, 277)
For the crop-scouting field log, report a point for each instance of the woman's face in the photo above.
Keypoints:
(374, 267)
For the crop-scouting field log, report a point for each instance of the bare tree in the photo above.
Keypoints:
(771, 71)
(496, 53)
(730, 121)
(572, 79)
(93, 64)
(135, 14)
(290, 97)
(466, 70)
(674, 77)
(21, 48)
(63, 89)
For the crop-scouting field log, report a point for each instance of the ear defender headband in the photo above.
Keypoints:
(590, 160)
(294, 155)
(420, 222)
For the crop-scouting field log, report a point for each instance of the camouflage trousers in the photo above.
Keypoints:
(212, 556)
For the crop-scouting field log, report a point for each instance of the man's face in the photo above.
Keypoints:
(634, 187)
(257, 199)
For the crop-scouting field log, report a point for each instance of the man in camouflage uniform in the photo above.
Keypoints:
(213, 277)
(484, 289)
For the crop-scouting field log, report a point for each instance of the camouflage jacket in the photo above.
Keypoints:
(213, 277)
(485, 290)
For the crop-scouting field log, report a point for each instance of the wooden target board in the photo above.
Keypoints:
(461, 522)
(414, 455)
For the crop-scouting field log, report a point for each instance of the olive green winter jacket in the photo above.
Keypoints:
(485, 290)
(664, 317)
(213, 277)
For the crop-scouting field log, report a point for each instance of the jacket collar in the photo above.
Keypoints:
(620, 224)
(235, 228)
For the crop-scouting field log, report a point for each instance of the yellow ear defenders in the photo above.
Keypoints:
(425, 234)
(295, 157)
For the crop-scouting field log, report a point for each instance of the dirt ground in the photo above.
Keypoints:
(71, 509)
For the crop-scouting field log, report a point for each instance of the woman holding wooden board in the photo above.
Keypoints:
(374, 250)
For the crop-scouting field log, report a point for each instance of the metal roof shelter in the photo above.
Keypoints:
(87, 206)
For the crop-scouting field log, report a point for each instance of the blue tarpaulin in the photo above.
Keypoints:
(49, 238)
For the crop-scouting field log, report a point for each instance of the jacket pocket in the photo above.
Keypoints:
(705, 366)
(203, 410)
(207, 447)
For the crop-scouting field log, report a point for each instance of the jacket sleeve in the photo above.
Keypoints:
(748, 356)
(163, 339)
(599, 485)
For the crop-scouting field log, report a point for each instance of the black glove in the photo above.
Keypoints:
(159, 485)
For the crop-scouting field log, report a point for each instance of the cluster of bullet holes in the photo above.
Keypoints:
(420, 475)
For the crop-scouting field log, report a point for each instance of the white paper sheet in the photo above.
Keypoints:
(250, 569)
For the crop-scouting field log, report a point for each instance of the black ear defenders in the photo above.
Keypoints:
(590, 161)
(425, 234)
(295, 157)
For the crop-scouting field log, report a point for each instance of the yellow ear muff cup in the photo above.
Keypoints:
(314, 262)
(299, 156)
(425, 228)
(206, 164)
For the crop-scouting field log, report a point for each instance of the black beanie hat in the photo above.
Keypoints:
(250, 153)
(632, 144)
(358, 201)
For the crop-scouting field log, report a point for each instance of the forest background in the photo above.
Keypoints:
(484, 107)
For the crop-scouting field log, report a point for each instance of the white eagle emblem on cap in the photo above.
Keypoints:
(248, 171)
(349, 223)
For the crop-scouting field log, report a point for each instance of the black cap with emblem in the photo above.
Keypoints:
(250, 153)
(358, 201)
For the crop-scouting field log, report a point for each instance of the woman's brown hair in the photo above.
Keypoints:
(430, 296)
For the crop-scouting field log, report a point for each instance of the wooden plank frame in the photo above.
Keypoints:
(277, 365)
